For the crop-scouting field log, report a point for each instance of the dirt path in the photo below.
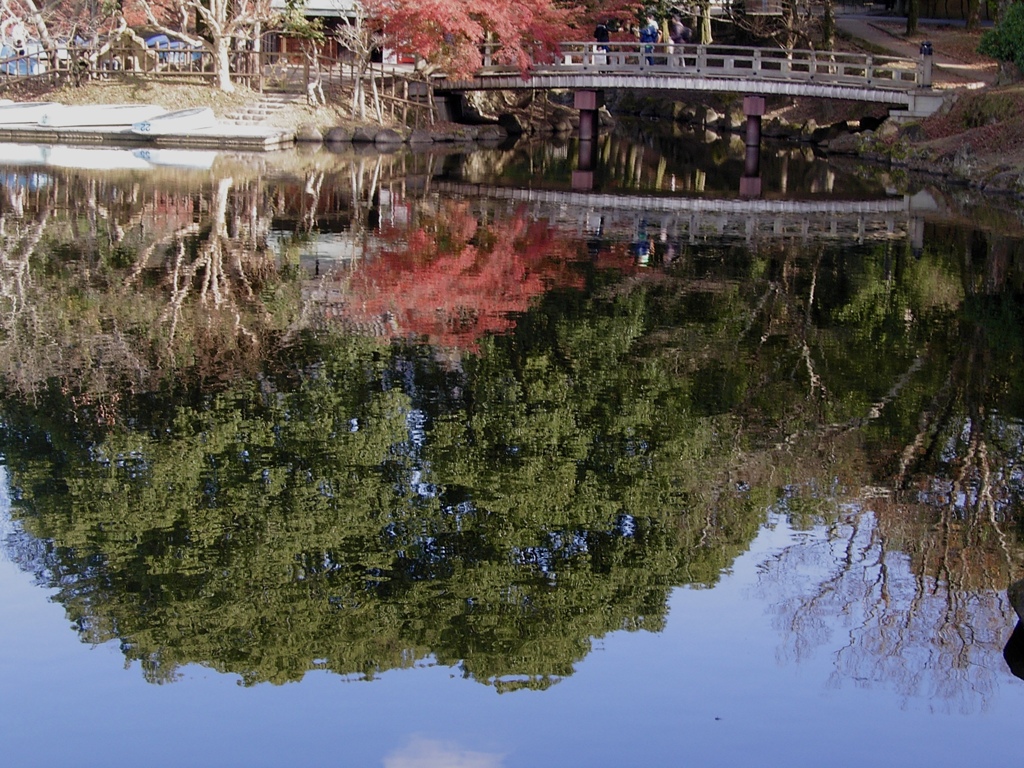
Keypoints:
(955, 59)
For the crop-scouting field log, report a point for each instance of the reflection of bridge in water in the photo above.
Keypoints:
(696, 218)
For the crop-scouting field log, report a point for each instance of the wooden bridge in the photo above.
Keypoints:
(903, 83)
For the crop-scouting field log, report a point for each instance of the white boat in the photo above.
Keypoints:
(180, 121)
(195, 159)
(94, 159)
(98, 115)
(26, 112)
(22, 154)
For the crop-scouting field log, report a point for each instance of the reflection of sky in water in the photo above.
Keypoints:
(6, 526)
(763, 664)
(428, 753)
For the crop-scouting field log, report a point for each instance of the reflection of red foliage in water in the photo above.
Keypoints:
(435, 283)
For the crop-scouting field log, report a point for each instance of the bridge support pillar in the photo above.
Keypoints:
(588, 103)
(446, 107)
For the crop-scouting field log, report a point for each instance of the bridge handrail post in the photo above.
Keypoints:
(755, 64)
(925, 65)
(786, 63)
(702, 57)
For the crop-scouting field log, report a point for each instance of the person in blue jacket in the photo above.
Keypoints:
(650, 34)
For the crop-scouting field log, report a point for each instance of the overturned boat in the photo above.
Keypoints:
(97, 115)
(26, 112)
(178, 122)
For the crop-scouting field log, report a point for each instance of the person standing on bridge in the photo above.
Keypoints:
(680, 34)
(650, 35)
(602, 36)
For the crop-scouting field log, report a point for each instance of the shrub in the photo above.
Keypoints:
(1005, 42)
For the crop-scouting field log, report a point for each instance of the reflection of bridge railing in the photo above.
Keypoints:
(692, 218)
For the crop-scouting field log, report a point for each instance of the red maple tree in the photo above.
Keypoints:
(450, 33)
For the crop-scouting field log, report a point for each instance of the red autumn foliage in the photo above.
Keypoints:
(456, 281)
(449, 33)
(620, 12)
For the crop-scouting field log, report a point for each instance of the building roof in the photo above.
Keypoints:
(321, 7)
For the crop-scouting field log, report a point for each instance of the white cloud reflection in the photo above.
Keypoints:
(431, 753)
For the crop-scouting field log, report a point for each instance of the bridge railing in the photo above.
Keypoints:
(725, 61)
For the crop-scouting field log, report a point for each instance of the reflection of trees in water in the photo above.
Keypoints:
(378, 505)
(450, 277)
(917, 566)
(384, 510)
(108, 284)
(921, 636)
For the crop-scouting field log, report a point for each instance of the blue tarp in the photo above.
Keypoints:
(173, 51)
(26, 59)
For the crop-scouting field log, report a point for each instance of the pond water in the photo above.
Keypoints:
(472, 459)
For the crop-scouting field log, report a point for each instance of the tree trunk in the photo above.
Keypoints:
(358, 95)
(222, 61)
(973, 20)
(256, 57)
(913, 12)
(377, 105)
(705, 23)
(41, 28)
(828, 25)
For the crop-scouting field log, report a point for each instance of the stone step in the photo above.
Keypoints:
(269, 104)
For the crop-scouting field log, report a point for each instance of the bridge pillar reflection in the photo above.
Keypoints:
(750, 183)
(916, 236)
(753, 108)
(586, 161)
(588, 103)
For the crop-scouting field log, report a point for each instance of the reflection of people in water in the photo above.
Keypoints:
(644, 251)
(643, 248)
(1013, 653)
(595, 227)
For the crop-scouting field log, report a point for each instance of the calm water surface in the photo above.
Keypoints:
(469, 460)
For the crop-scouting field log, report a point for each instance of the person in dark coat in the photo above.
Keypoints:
(602, 36)
(679, 32)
